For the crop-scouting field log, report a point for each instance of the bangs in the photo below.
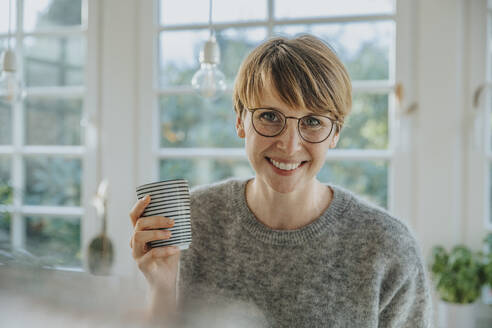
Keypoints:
(300, 78)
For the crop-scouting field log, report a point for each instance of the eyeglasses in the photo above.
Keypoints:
(270, 122)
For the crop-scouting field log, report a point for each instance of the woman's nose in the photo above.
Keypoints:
(289, 140)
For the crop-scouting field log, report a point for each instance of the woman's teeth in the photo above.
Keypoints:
(283, 166)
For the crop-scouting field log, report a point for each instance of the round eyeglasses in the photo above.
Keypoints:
(270, 122)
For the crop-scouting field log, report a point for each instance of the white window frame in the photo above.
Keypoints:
(86, 152)
(479, 155)
(395, 155)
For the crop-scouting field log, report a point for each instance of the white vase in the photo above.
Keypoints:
(453, 315)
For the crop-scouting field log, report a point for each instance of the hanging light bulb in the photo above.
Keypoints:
(10, 84)
(209, 81)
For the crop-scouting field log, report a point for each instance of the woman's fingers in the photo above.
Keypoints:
(141, 238)
(153, 222)
(139, 208)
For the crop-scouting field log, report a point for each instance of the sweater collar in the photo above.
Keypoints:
(321, 225)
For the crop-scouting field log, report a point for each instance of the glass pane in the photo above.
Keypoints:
(364, 48)
(179, 52)
(53, 181)
(6, 191)
(53, 121)
(6, 198)
(5, 223)
(235, 44)
(56, 241)
(488, 104)
(4, 16)
(200, 171)
(189, 121)
(54, 61)
(5, 123)
(51, 13)
(367, 124)
(196, 12)
(368, 179)
(320, 8)
(490, 193)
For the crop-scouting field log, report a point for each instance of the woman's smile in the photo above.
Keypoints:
(285, 168)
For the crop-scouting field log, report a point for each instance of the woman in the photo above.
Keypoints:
(295, 252)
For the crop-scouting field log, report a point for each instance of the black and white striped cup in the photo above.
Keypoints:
(171, 199)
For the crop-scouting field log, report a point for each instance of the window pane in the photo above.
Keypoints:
(368, 178)
(488, 104)
(55, 240)
(4, 16)
(52, 181)
(5, 123)
(490, 193)
(318, 8)
(364, 48)
(235, 44)
(204, 170)
(6, 192)
(53, 121)
(6, 198)
(196, 12)
(5, 224)
(179, 52)
(54, 61)
(367, 124)
(189, 121)
(51, 13)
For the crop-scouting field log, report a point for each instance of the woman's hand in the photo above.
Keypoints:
(160, 264)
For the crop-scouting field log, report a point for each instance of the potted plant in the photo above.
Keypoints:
(459, 276)
(487, 270)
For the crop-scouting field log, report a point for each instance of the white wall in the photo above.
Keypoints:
(439, 128)
(119, 86)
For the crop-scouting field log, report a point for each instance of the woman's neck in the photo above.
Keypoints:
(290, 211)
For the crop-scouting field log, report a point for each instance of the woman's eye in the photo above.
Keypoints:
(269, 116)
(311, 121)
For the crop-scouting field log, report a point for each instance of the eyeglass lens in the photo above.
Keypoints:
(312, 128)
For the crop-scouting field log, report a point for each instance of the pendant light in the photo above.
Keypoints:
(209, 81)
(10, 85)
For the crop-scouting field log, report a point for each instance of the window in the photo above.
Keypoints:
(488, 104)
(41, 137)
(196, 138)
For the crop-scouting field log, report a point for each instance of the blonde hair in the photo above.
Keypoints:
(305, 73)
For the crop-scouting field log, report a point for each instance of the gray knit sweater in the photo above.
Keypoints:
(355, 266)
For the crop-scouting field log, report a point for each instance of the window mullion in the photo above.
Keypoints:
(18, 222)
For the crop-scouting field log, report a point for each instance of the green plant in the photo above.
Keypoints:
(459, 274)
(487, 261)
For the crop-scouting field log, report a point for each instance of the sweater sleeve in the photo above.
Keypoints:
(408, 303)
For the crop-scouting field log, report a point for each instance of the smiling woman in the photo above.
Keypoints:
(285, 248)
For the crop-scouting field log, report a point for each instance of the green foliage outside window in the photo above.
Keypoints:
(189, 121)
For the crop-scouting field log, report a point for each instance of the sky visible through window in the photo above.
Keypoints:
(196, 12)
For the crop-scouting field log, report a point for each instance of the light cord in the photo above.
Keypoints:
(210, 18)
(10, 24)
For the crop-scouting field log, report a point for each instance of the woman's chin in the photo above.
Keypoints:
(283, 187)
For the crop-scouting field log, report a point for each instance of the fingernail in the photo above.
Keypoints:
(147, 197)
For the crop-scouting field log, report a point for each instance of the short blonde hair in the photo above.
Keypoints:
(305, 72)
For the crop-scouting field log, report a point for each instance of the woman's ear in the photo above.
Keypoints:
(334, 140)
(240, 126)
